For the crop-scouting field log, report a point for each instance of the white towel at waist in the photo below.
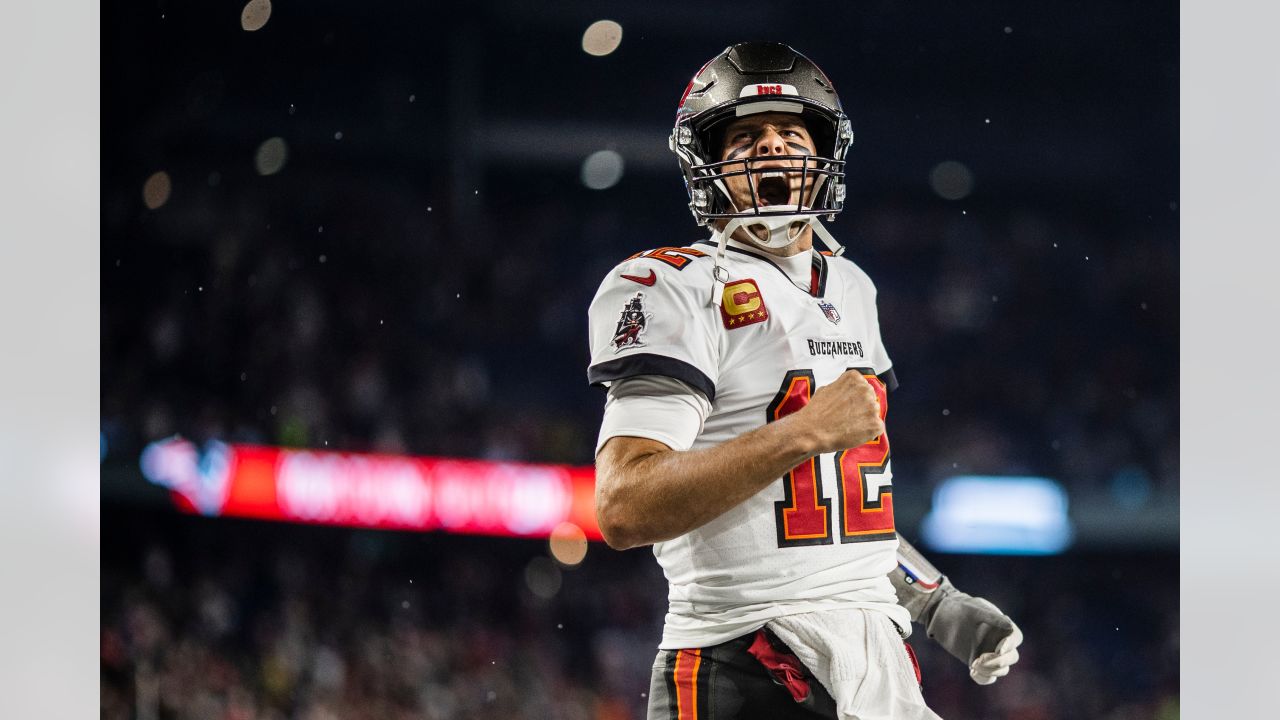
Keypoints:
(859, 657)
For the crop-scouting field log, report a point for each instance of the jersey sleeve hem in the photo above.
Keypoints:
(890, 379)
(651, 364)
(671, 441)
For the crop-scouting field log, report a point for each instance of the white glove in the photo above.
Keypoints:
(990, 666)
(972, 629)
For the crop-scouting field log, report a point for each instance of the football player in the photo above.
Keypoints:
(744, 435)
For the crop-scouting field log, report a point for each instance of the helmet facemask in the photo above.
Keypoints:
(783, 193)
(821, 186)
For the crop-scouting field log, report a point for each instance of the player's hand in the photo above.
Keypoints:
(991, 666)
(973, 630)
(844, 414)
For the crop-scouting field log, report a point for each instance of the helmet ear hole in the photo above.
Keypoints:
(822, 132)
(715, 140)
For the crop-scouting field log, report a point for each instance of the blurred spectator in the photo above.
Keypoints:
(235, 619)
(1008, 362)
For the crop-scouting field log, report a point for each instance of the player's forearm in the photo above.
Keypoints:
(664, 494)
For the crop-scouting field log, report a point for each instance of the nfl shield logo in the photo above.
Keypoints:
(830, 311)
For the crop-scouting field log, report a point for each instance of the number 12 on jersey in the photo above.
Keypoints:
(866, 497)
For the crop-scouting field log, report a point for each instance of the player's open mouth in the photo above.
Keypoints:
(773, 188)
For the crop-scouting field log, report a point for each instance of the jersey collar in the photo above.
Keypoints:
(817, 277)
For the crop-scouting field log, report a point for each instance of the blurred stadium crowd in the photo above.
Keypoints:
(345, 250)
(237, 620)
(378, 334)
(349, 314)
(360, 287)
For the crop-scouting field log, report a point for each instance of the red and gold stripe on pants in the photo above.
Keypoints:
(685, 674)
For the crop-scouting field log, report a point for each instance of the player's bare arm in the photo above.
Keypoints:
(646, 492)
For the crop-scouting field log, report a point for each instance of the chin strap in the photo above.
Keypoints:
(719, 274)
(825, 236)
(781, 234)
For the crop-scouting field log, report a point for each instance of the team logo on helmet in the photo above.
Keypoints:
(631, 325)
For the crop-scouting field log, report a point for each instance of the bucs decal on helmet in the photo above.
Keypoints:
(766, 90)
(631, 325)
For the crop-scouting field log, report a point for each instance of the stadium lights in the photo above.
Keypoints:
(951, 180)
(156, 190)
(998, 516)
(601, 38)
(255, 15)
(271, 156)
(602, 169)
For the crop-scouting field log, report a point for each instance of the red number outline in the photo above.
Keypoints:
(673, 256)
(804, 508)
(804, 481)
(866, 521)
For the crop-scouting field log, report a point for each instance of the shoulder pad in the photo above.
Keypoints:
(673, 256)
(848, 267)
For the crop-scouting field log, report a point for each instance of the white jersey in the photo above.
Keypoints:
(823, 535)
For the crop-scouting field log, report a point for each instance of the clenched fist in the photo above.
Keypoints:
(844, 414)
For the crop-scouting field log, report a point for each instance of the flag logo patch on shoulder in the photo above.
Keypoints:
(631, 325)
(742, 304)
